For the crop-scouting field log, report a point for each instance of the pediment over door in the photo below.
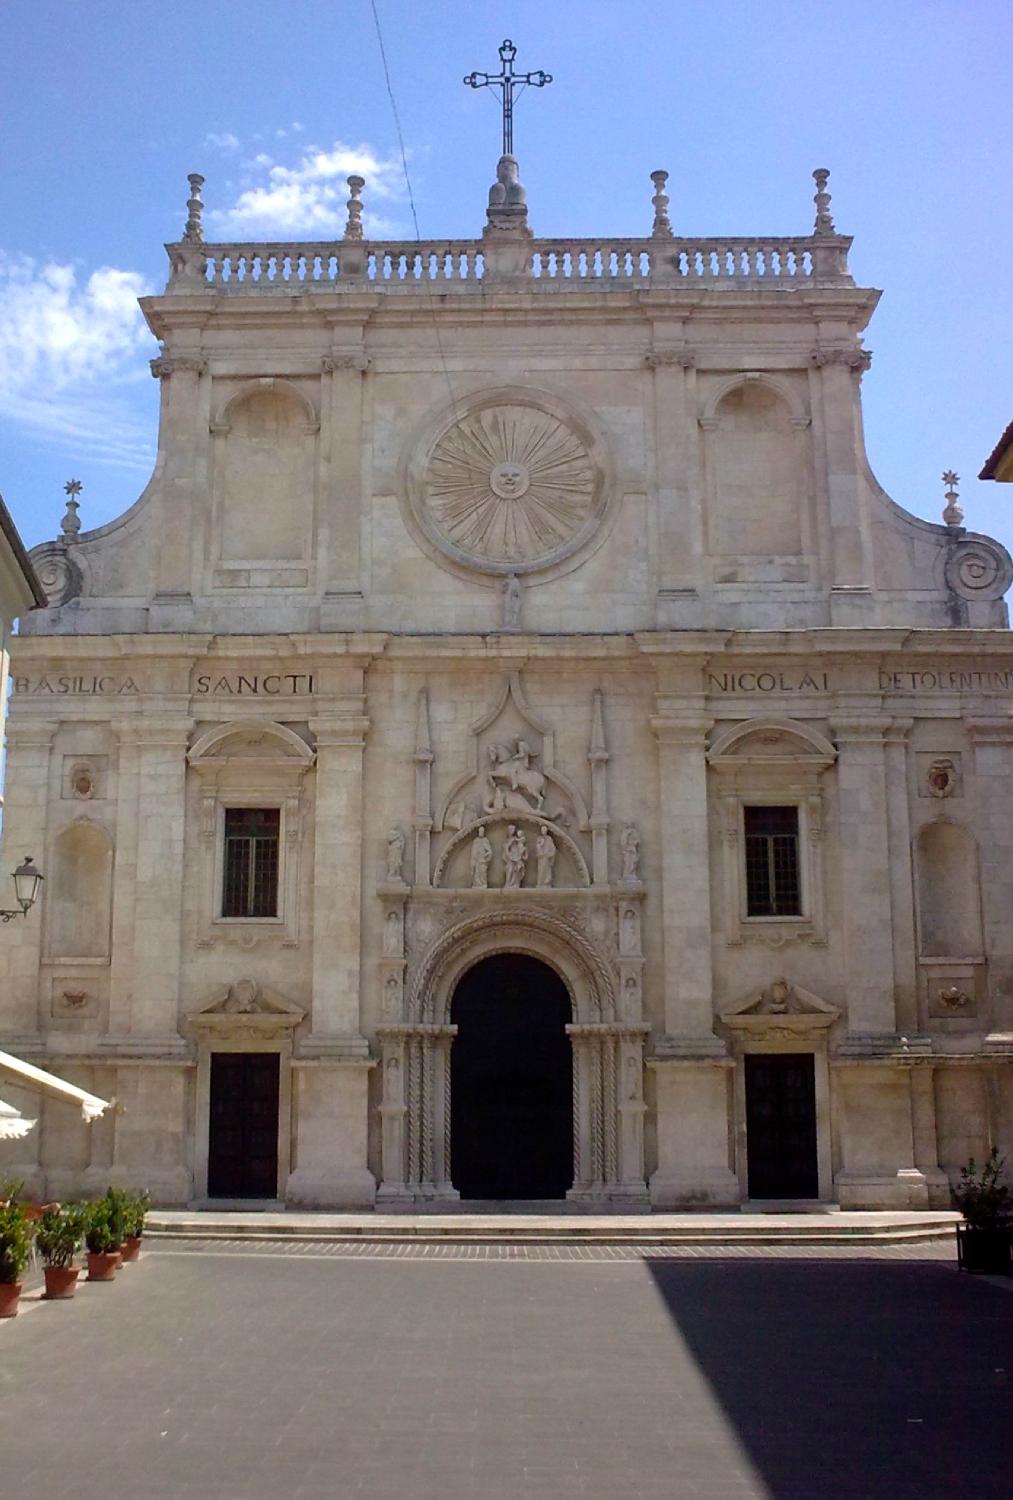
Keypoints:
(246, 1008)
(779, 1008)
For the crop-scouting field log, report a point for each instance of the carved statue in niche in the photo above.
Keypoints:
(629, 843)
(512, 783)
(632, 1079)
(481, 858)
(545, 855)
(392, 934)
(515, 856)
(395, 855)
(511, 599)
(390, 997)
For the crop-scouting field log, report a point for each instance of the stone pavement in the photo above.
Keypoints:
(308, 1372)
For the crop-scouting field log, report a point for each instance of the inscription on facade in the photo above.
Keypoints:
(769, 682)
(945, 680)
(254, 685)
(85, 686)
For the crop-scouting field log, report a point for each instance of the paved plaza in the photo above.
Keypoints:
(309, 1371)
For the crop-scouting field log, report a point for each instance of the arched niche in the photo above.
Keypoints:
(79, 893)
(949, 898)
(264, 481)
(755, 462)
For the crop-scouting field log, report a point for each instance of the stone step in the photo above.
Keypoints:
(805, 1228)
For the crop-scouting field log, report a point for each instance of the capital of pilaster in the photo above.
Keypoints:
(343, 731)
(20, 732)
(689, 732)
(997, 731)
(165, 365)
(897, 731)
(859, 730)
(155, 733)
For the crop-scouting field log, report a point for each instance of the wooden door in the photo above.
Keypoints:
(781, 1125)
(243, 1136)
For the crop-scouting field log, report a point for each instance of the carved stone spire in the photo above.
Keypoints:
(824, 223)
(353, 226)
(71, 523)
(952, 513)
(662, 229)
(193, 234)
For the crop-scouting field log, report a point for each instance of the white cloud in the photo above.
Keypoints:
(222, 140)
(68, 352)
(308, 198)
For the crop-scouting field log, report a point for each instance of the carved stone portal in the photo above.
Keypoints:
(607, 1035)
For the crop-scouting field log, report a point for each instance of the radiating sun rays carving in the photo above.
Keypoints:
(511, 487)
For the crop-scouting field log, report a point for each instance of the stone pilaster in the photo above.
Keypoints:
(342, 396)
(185, 444)
(123, 962)
(685, 889)
(864, 843)
(337, 882)
(992, 740)
(26, 797)
(834, 392)
(923, 1128)
(905, 976)
(160, 872)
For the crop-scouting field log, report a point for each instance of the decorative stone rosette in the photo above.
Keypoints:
(510, 484)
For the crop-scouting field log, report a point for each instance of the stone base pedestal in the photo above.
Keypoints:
(906, 1188)
(310, 1188)
(713, 1187)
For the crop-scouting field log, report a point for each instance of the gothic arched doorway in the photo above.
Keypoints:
(511, 1081)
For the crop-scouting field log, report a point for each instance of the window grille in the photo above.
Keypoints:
(773, 888)
(250, 887)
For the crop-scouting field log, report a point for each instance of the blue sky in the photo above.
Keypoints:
(111, 104)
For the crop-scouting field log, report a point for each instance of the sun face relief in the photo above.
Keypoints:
(509, 487)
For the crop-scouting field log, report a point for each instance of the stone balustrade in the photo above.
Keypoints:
(338, 265)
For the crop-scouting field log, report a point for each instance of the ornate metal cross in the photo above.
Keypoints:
(506, 81)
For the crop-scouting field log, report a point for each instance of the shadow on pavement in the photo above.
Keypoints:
(862, 1381)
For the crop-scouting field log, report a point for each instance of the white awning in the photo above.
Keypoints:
(48, 1083)
(13, 1124)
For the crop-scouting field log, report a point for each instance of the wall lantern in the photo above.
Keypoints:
(27, 880)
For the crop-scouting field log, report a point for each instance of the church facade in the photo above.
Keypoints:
(513, 748)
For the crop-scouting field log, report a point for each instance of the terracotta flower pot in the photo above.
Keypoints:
(103, 1265)
(131, 1248)
(61, 1282)
(10, 1292)
(118, 1252)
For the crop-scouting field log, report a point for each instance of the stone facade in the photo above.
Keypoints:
(515, 576)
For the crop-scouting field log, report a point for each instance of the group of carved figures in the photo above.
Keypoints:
(515, 858)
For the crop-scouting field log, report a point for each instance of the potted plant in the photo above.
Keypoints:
(985, 1239)
(101, 1237)
(136, 1209)
(59, 1235)
(15, 1248)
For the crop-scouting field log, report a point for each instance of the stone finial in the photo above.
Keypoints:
(353, 225)
(824, 222)
(508, 202)
(71, 523)
(662, 228)
(194, 231)
(952, 513)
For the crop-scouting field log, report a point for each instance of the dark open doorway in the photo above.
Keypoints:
(781, 1125)
(243, 1128)
(511, 1081)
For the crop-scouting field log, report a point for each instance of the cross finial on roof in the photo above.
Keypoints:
(506, 80)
